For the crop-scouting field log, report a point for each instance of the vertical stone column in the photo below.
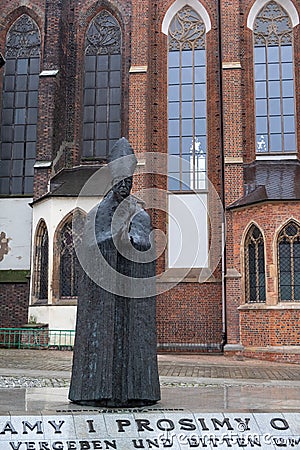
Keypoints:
(233, 154)
(51, 96)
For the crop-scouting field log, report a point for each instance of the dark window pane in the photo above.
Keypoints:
(102, 97)
(4, 186)
(101, 148)
(115, 62)
(9, 83)
(87, 148)
(114, 130)
(88, 131)
(33, 82)
(5, 168)
(18, 151)
(22, 66)
(6, 151)
(32, 99)
(20, 99)
(7, 134)
(101, 114)
(115, 96)
(16, 185)
(19, 133)
(90, 80)
(102, 62)
(10, 67)
(32, 115)
(102, 79)
(17, 168)
(89, 97)
(101, 132)
(8, 100)
(34, 66)
(114, 79)
(29, 167)
(28, 185)
(31, 133)
(7, 116)
(115, 113)
(90, 63)
(21, 83)
(20, 116)
(88, 114)
(30, 150)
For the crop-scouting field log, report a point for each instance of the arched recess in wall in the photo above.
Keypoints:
(254, 265)
(41, 263)
(102, 89)
(186, 23)
(20, 107)
(66, 267)
(288, 262)
(272, 23)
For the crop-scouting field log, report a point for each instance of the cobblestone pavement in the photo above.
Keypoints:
(52, 368)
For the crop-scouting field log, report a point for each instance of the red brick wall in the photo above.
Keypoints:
(14, 304)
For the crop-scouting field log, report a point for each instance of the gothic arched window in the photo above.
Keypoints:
(289, 263)
(20, 107)
(187, 101)
(69, 266)
(41, 262)
(102, 86)
(255, 266)
(274, 81)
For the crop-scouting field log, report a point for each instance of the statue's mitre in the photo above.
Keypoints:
(122, 160)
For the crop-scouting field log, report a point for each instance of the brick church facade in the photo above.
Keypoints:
(207, 92)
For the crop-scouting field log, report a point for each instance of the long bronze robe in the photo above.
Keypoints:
(115, 359)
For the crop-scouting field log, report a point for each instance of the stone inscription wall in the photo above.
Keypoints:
(149, 430)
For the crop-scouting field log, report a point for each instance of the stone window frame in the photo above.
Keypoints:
(20, 104)
(186, 175)
(94, 125)
(278, 237)
(260, 299)
(56, 281)
(271, 115)
(41, 266)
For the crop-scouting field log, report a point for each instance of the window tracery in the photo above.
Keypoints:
(289, 263)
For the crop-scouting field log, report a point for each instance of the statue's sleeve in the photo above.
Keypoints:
(140, 231)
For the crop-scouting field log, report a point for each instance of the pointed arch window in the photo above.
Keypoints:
(187, 101)
(41, 262)
(255, 266)
(20, 107)
(289, 263)
(69, 266)
(274, 81)
(102, 86)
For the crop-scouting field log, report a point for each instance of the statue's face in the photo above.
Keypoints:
(122, 187)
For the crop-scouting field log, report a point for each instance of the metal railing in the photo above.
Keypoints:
(37, 338)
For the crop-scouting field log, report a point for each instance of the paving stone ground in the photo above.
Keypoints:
(52, 364)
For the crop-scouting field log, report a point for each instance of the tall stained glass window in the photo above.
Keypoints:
(255, 266)
(20, 107)
(289, 263)
(187, 101)
(274, 81)
(102, 86)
